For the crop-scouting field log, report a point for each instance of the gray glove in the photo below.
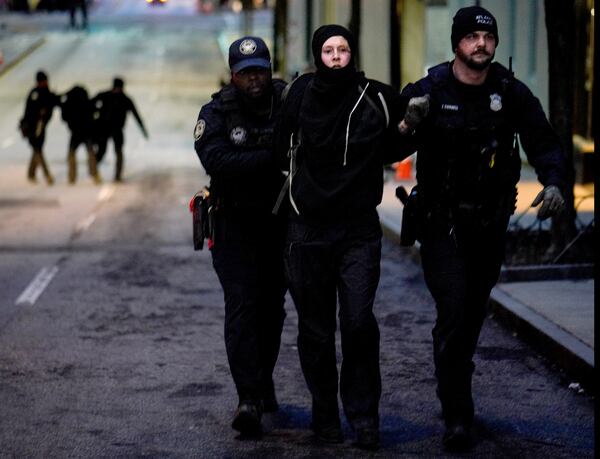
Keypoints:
(552, 202)
(417, 110)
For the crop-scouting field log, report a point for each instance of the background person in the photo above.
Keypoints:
(74, 5)
(38, 111)
(467, 171)
(110, 112)
(76, 110)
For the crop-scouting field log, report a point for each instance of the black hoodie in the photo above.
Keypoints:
(348, 130)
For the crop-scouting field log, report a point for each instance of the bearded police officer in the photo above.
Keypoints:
(465, 115)
(233, 139)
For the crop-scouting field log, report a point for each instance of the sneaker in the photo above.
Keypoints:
(247, 419)
(329, 434)
(367, 438)
(457, 438)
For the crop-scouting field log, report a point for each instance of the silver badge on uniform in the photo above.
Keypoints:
(199, 129)
(247, 47)
(34, 95)
(496, 102)
(238, 135)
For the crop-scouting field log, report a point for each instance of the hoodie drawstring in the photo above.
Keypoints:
(350, 116)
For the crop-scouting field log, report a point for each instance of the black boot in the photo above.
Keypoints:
(247, 418)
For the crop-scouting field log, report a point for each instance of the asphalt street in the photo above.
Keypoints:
(111, 326)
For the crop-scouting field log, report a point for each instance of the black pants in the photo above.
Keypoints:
(247, 256)
(343, 263)
(78, 138)
(460, 276)
(118, 141)
(74, 5)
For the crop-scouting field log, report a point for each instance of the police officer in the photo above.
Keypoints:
(233, 139)
(342, 127)
(38, 111)
(467, 169)
(110, 112)
(76, 110)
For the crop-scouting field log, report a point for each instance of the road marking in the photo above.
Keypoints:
(37, 285)
(106, 192)
(85, 223)
(8, 142)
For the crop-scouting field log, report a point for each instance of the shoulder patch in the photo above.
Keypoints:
(199, 129)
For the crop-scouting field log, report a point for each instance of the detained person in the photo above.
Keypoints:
(337, 130)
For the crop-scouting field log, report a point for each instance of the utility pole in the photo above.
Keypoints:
(280, 38)
(247, 7)
(560, 26)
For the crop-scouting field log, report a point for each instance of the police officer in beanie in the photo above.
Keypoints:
(465, 116)
(342, 127)
(234, 141)
(38, 111)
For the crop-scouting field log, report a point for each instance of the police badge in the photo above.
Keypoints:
(199, 129)
(238, 135)
(248, 46)
(496, 102)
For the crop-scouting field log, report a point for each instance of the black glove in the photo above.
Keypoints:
(416, 111)
(552, 202)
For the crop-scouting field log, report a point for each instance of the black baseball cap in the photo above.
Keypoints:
(249, 52)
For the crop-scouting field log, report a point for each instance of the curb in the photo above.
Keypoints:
(547, 338)
(22, 55)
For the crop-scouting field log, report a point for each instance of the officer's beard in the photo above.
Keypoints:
(479, 65)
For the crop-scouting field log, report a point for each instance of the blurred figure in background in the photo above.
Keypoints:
(76, 111)
(38, 111)
(75, 5)
(110, 111)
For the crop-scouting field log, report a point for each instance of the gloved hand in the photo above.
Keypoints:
(552, 202)
(416, 111)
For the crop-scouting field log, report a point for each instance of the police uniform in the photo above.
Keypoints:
(38, 111)
(234, 144)
(110, 110)
(468, 166)
(76, 111)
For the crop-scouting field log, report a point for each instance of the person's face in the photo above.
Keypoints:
(336, 52)
(477, 49)
(252, 81)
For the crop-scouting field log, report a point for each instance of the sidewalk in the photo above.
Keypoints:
(556, 317)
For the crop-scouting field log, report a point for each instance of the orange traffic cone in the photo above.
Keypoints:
(404, 169)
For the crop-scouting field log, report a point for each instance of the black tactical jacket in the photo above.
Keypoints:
(235, 147)
(467, 162)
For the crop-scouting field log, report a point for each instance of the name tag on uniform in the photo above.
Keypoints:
(451, 107)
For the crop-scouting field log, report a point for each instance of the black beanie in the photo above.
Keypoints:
(471, 19)
(325, 32)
